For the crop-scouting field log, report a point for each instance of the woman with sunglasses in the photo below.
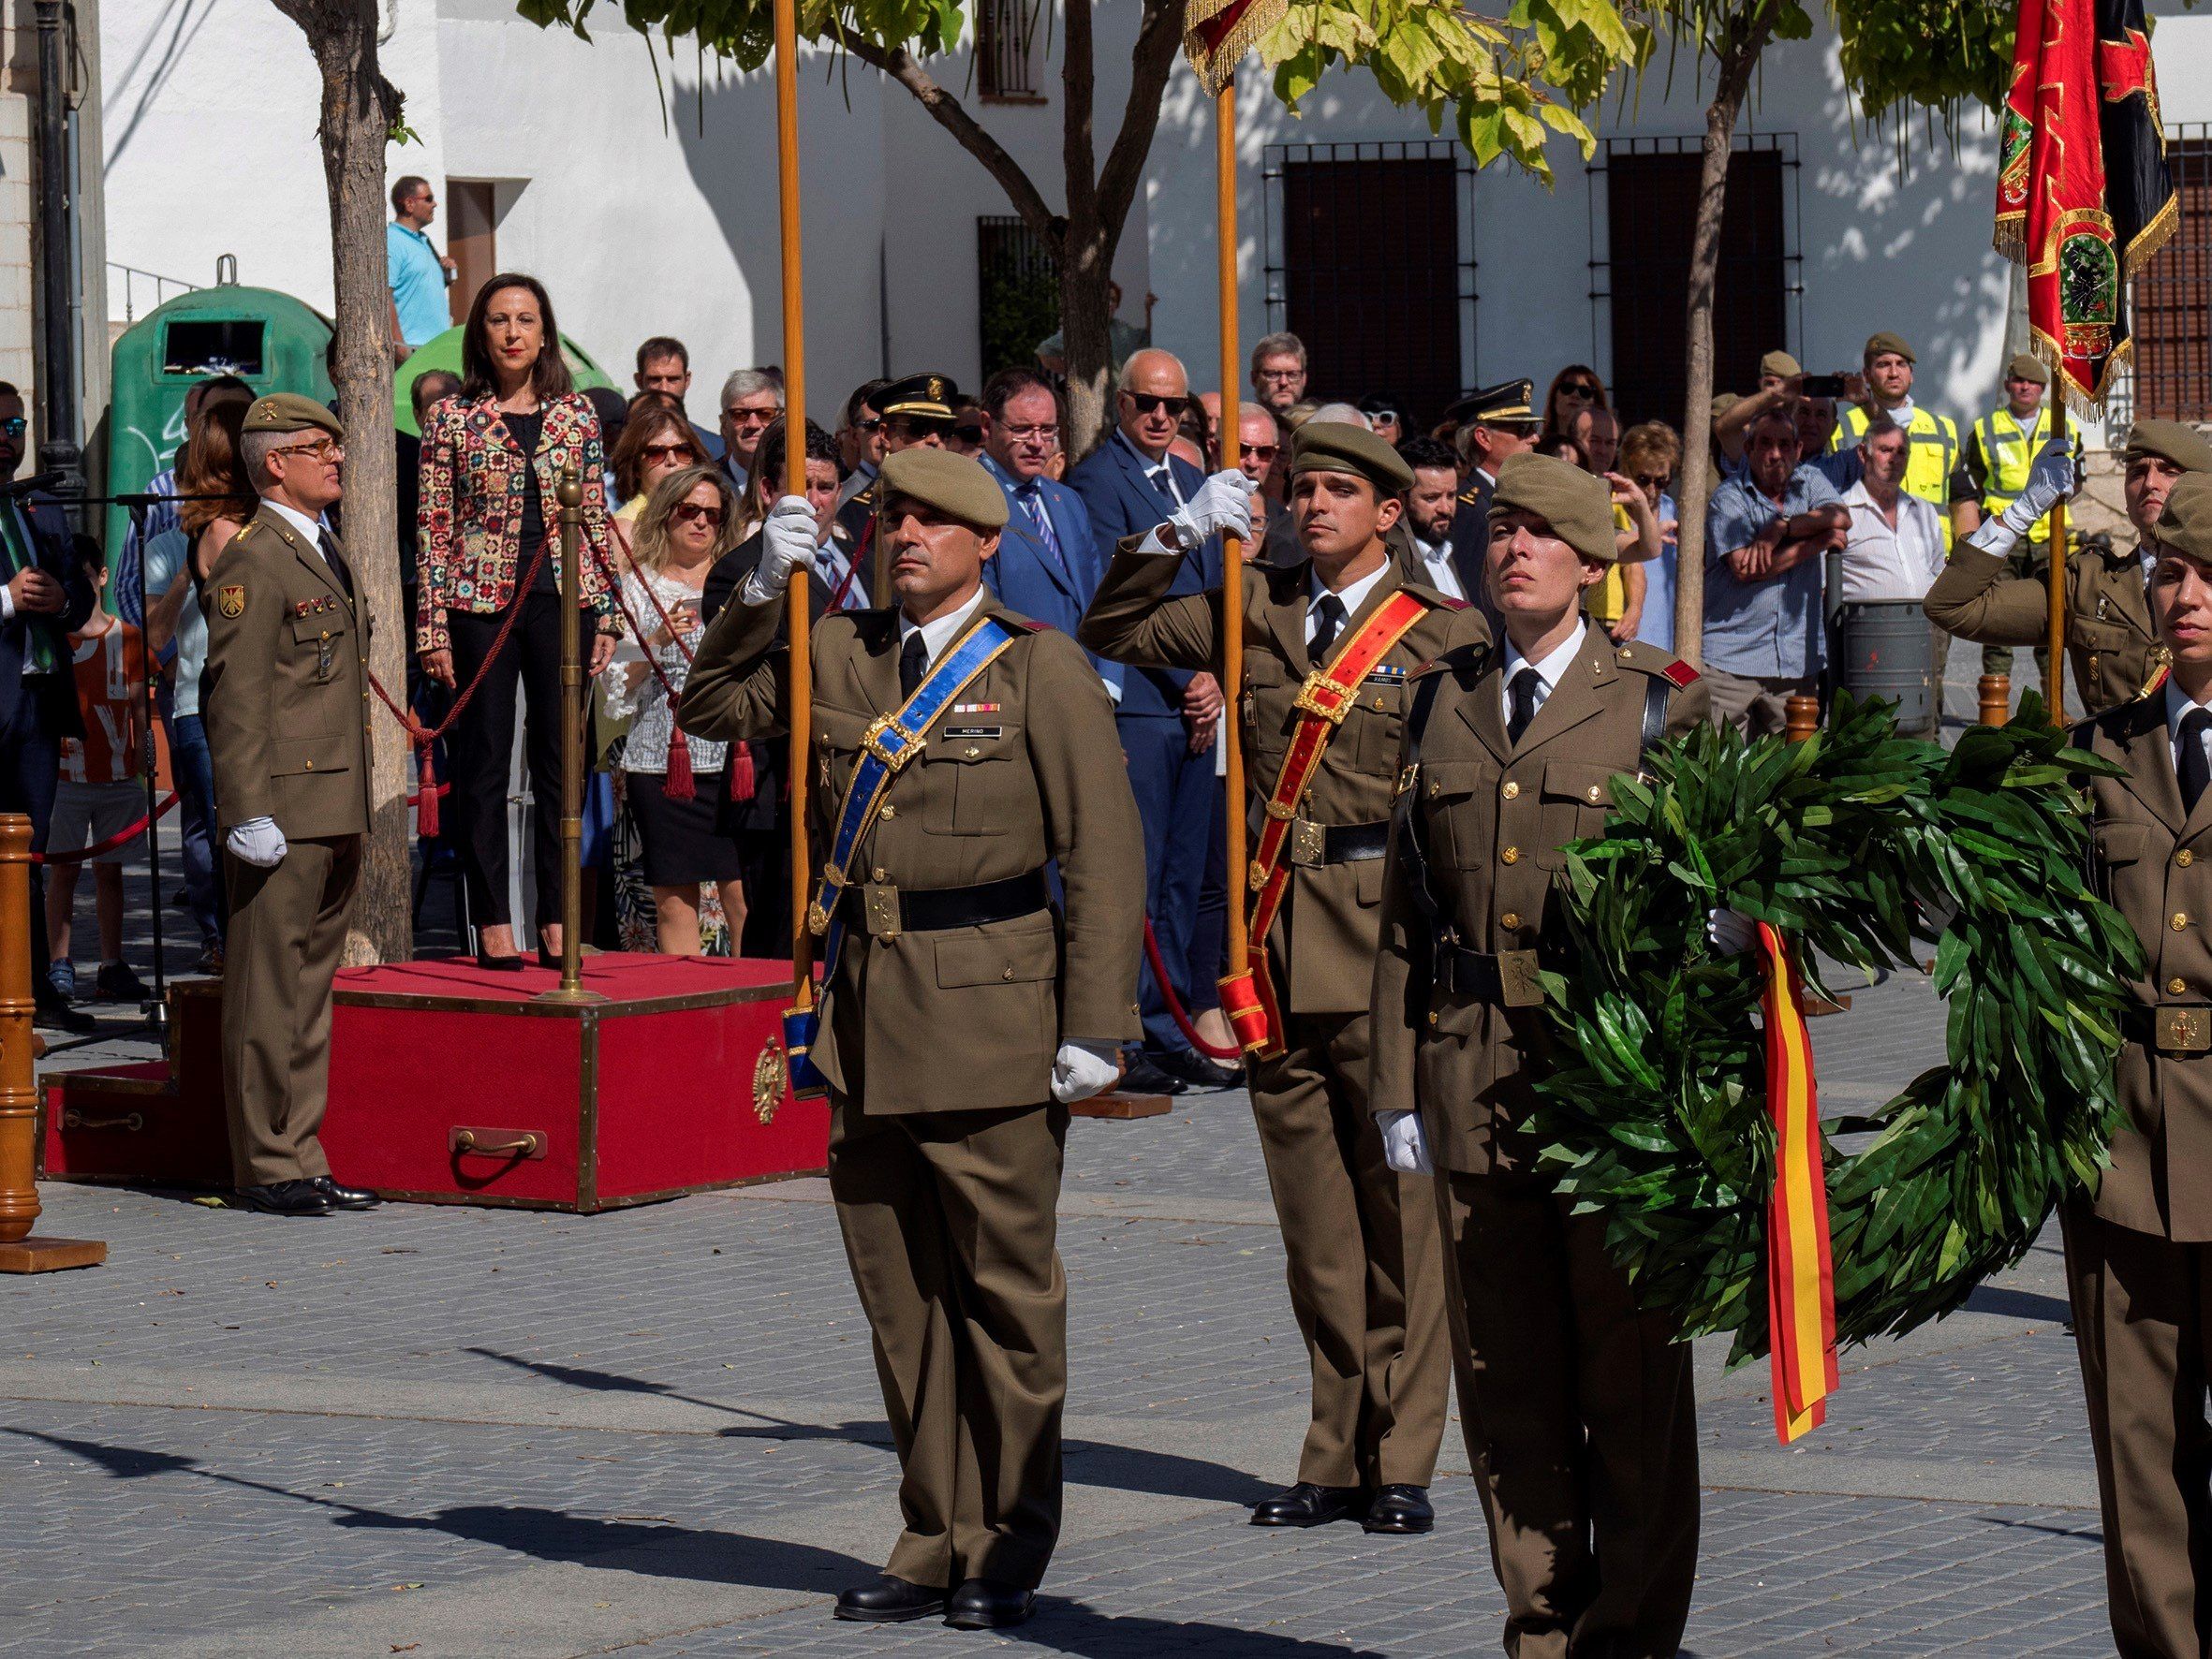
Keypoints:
(489, 606)
(689, 520)
(1648, 456)
(656, 441)
(1574, 388)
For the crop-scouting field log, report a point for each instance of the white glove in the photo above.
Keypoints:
(1223, 504)
(1404, 1149)
(2051, 478)
(786, 544)
(257, 842)
(1732, 931)
(1082, 1069)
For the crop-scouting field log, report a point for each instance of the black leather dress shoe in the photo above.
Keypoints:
(886, 1600)
(346, 1197)
(1307, 1504)
(1145, 1077)
(980, 1605)
(1400, 1509)
(56, 1013)
(286, 1198)
(1198, 1072)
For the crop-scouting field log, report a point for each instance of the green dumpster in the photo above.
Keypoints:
(443, 351)
(271, 341)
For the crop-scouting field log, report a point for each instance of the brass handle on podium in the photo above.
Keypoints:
(499, 1143)
(132, 1122)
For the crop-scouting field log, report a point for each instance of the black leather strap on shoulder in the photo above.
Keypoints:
(1404, 812)
(1657, 693)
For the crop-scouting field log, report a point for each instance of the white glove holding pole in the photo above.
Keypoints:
(1223, 506)
(1732, 931)
(2051, 478)
(257, 842)
(786, 544)
(1082, 1069)
(1405, 1148)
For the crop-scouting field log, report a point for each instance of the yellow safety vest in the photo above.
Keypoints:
(2010, 450)
(1931, 453)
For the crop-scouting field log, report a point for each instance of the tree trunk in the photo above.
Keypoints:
(359, 108)
(1736, 62)
(1086, 248)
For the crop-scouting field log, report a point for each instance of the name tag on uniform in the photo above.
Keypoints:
(975, 731)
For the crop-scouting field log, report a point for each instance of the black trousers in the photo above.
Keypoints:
(482, 740)
(30, 766)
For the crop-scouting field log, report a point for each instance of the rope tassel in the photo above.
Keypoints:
(680, 784)
(742, 781)
(426, 813)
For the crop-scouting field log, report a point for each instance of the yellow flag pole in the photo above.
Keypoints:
(802, 662)
(1233, 550)
(2056, 690)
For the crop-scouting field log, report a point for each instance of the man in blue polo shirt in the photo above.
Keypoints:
(1766, 532)
(417, 274)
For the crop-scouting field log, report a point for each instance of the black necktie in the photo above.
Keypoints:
(1328, 615)
(1163, 485)
(914, 663)
(1524, 689)
(2194, 769)
(335, 561)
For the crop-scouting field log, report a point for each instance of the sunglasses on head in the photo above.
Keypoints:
(691, 512)
(1148, 401)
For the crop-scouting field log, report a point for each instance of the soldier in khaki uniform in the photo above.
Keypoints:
(285, 698)
(962, 1011)
(1577, 1405)
(2109, 636)
(1361, 1241)
(2139, 1256)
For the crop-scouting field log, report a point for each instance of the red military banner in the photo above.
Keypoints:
(1216, 32)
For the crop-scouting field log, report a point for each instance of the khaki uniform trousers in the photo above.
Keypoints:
(285, 940)
(1364, 1266)
(950, 1227)
(1581, 1424)
(2143, 1323)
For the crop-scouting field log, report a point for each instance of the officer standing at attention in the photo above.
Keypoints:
(285, 697)
(1576, 1404)
(2111, 639)
(2139, 1254)
(1342, 629)
(958, 749)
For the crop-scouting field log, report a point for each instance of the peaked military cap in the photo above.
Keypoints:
(288, 411)
(927, 396)
(1577, 504)
(2170, 440)
(1510, 402)
(1339, 446)
(954, 484)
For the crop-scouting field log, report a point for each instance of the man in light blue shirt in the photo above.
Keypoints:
(417, 274)
(1767, 530)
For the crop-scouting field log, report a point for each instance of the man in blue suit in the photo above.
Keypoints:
(1169, 719)
(1047, 564)
(45, 597)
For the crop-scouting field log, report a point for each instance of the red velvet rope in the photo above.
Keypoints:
(112, 841)
(1233, 1056)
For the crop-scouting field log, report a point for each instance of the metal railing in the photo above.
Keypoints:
(2172, 295)
(1006, 34)
(132, 279)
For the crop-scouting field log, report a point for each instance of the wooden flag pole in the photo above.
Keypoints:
(799, 616)
(1233, 550)
(2055, 693)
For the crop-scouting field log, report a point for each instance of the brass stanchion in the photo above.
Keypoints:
(18, 1083)
(1801, 718)
(570, 990)
(1993, 692)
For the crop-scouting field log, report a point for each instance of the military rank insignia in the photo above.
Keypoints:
(230, 600)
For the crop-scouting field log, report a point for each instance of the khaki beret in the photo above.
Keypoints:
(1886, 341)
(288, 411)
(1725, 401)
(1577, 504)
(954, 484)
(2185, 522)
(2170, 440)
(1780, 364)
(2027, 366)
(1339, 446)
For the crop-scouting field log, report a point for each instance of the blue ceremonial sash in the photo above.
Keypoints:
(889, 744)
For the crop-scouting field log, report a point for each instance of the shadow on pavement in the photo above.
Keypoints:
(2019, 1304)
(1070, 1627)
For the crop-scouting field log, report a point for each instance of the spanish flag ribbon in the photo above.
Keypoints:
(1800, 1271)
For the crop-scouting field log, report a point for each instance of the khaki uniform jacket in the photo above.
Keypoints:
(1493, 817)
(1322, 943)
(285, 694)
(961, 1018)
(2109, 639)
(2153, 862)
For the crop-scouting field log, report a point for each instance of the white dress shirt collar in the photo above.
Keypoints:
(1436, 559)
(1151, 467)
(2178, 707)
(1550, 669)
(1352, 596)
(940, 633)
(299, 521)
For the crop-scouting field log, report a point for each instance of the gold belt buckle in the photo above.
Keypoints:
(879, 907)
(1519, 986)
(872, 740)
(1309, 844)
(2183, 1031)
(1319, 694)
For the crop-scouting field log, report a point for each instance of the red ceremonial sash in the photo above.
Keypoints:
(1248, 999)
(1800, 1271)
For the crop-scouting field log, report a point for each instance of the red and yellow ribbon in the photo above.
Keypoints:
(1800, 1270)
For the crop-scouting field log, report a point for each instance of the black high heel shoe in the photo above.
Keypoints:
(549, 959)
(503, 965)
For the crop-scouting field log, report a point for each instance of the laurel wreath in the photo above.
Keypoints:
(1857, 844)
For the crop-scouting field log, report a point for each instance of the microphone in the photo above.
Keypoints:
(26, 486)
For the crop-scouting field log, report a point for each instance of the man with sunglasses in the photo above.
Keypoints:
(1167, 718)
(860, 441)
(45, 595)
(285, 698)
(915, 413)
(416, 273)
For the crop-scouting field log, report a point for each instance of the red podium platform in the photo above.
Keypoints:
(450, 1084)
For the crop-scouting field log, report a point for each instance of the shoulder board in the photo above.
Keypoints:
(1650, 659)
(1467, 496)
(1447, 602)
(1459, 657)
(1023, 623)
(2155, 683)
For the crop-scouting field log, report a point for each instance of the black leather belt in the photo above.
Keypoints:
(928, 910)
(1507, 979)
(1314, 845)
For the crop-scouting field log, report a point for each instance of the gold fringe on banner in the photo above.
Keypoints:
(1217, 33)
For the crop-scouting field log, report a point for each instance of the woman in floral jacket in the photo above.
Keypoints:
(489, 531)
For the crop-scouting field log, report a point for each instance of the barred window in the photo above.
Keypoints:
(2172, 294)
(1006, 49)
